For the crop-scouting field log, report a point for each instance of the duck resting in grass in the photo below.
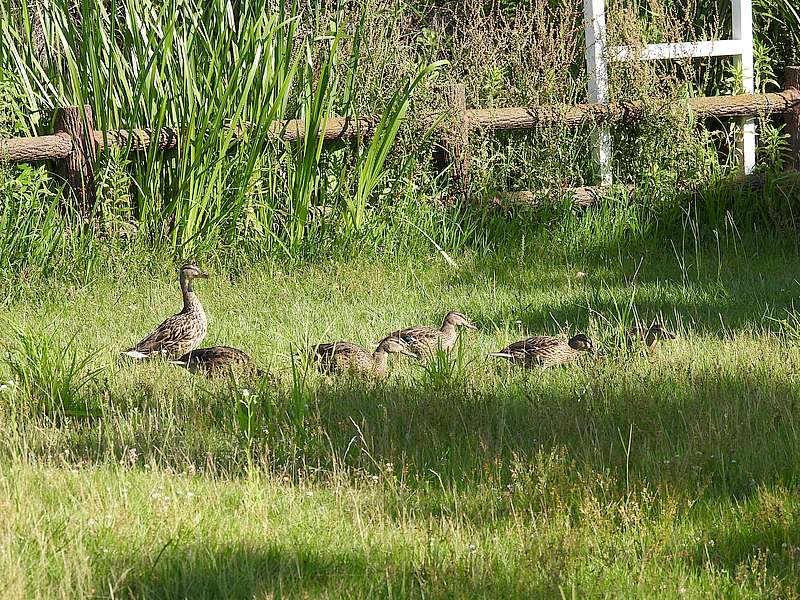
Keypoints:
(181, 332)
(344, 357)
(424, 341)
(545, 350)
(650, 336)
(218, 360)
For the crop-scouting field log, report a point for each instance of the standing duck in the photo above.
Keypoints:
(651, 335)
(181, 332)
(424, 340)
(342, 357)
(216, 360)
(545, 351)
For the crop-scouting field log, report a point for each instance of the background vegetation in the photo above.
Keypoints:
(627, 475)
(209, 66)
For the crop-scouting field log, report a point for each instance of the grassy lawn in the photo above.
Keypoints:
(623, 475)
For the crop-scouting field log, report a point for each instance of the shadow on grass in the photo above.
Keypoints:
(761, 546)
(705, 429)
(713, 297)
(294, 571)
(724, 253)
(720, 431)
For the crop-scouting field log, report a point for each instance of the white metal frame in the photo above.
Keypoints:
(597, 57)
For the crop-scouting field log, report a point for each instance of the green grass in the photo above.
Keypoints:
(624, 475)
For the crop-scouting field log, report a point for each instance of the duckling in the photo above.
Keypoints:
(181, 332)
(424, 340)
(545, 351)
(650, 335)
(341, 357)
(216, 360)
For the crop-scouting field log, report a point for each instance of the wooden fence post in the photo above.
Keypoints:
(455, 138)
(78, 167)
(792, 116)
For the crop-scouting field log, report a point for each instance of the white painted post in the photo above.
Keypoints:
(743, 31)
(594, 20)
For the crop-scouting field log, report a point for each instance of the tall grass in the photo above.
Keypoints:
(51, 376)
(222, 73)
(211, 69)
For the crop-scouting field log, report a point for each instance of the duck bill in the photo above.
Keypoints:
(470, 326)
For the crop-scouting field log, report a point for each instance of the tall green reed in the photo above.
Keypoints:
(221, 73)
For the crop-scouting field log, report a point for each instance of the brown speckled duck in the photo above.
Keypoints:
(424, 340)
(545, 351)
(181, 332)
(217, 360)
(343, 357)
(651, 335)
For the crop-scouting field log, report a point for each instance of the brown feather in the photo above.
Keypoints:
(539, 350)
(217, 359)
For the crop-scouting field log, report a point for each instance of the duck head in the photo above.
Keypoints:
(395, 346)
(581, 343)
(189, 273)
(457, 319)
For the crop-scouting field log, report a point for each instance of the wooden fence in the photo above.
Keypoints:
(75, 143)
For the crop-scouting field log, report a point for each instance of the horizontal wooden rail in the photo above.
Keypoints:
(746, 105)
(588, 195)
(58, 146)
(31, 149)
(75, 143)
(578, 196)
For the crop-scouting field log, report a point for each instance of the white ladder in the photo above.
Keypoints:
(597, 56)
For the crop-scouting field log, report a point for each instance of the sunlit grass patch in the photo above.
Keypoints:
(455, 475)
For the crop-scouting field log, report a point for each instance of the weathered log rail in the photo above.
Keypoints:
(585, 114)
(76, 143)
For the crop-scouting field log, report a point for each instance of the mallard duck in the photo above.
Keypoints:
(215, 360)
(423, 340)
(650, 335)
(180, 333)
(545, 351)
(340, 357)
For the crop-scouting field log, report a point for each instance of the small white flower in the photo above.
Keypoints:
(3, 388)
(374, 478)
(473, 548)
(309, 493)
(580, 275)
(91, 522)
(245, 393)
